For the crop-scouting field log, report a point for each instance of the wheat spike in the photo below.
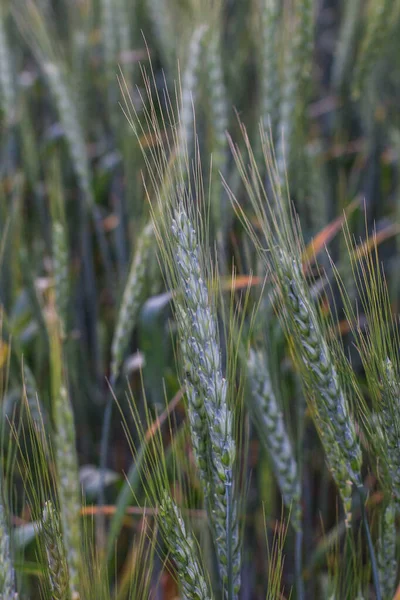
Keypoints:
(270, 424)
(189, 93)
(68, 484)
(318, 364)
(208, 398)
(184, 551)
(269, 64)
(55, 552)
(131, 299)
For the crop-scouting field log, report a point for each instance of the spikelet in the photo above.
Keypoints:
(57, 568)
(207, 398)
(184, 551)
(270, 424)
(269, 64)
(60, 273)
(68, 485)
(386, 558)
(317, 364)
(7, 86)
(7, 585)
(131, 300)
(377, 26)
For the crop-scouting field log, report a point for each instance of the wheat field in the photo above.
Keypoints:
(199, 299)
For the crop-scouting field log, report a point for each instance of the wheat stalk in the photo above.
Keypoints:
(7, 585)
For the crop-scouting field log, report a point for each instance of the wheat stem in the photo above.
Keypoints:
(7, 585)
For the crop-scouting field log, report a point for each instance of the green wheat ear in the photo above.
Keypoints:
(296, 87)
(55, 552)
(64, 447)
(68, 486)
(318, 365)
(268, 418)
(217, 117)
(269, 64)
(184, 551)
(131, 300)
(211, 419)
(189, 93)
